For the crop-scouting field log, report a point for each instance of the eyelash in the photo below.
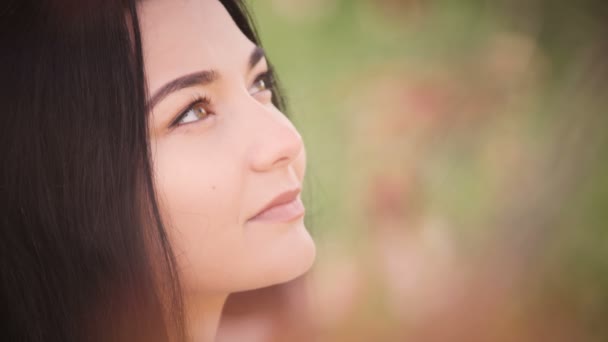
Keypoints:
(266, 76)
(197, 100)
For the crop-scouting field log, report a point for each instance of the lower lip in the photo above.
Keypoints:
(281, 213)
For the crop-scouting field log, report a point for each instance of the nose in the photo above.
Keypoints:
(277, 145)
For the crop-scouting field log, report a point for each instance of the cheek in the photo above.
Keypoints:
(199, 200)
(190, 185)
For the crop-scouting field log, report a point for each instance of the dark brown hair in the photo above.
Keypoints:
(78, 211)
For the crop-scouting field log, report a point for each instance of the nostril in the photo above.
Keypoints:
(290, 149)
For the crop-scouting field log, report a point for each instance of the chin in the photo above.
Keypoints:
(291, 257)
(303, 259)
(271, 257)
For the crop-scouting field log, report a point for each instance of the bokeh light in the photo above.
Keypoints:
(457, 182)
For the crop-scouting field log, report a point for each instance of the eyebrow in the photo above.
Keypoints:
(200, 78)
(256, 55)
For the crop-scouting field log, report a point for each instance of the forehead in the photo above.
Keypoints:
(183, 36)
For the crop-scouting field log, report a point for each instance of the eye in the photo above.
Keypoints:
(263, 82)
(196, 111)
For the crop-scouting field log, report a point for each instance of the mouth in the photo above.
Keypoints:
(285, 207)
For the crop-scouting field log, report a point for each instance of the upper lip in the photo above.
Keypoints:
(282, 198)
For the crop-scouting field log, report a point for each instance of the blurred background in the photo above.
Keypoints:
(457, 181)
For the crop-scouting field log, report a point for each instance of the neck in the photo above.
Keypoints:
(203, 316)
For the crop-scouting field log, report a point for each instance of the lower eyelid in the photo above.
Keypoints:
(265, 94)
(194, 124)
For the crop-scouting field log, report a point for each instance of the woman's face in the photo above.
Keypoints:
(221, 151)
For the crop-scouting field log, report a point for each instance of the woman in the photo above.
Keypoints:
(148, 171)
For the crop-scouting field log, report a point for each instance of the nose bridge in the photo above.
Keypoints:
(275, 141)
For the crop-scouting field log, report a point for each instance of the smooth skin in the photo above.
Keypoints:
(219, 161)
